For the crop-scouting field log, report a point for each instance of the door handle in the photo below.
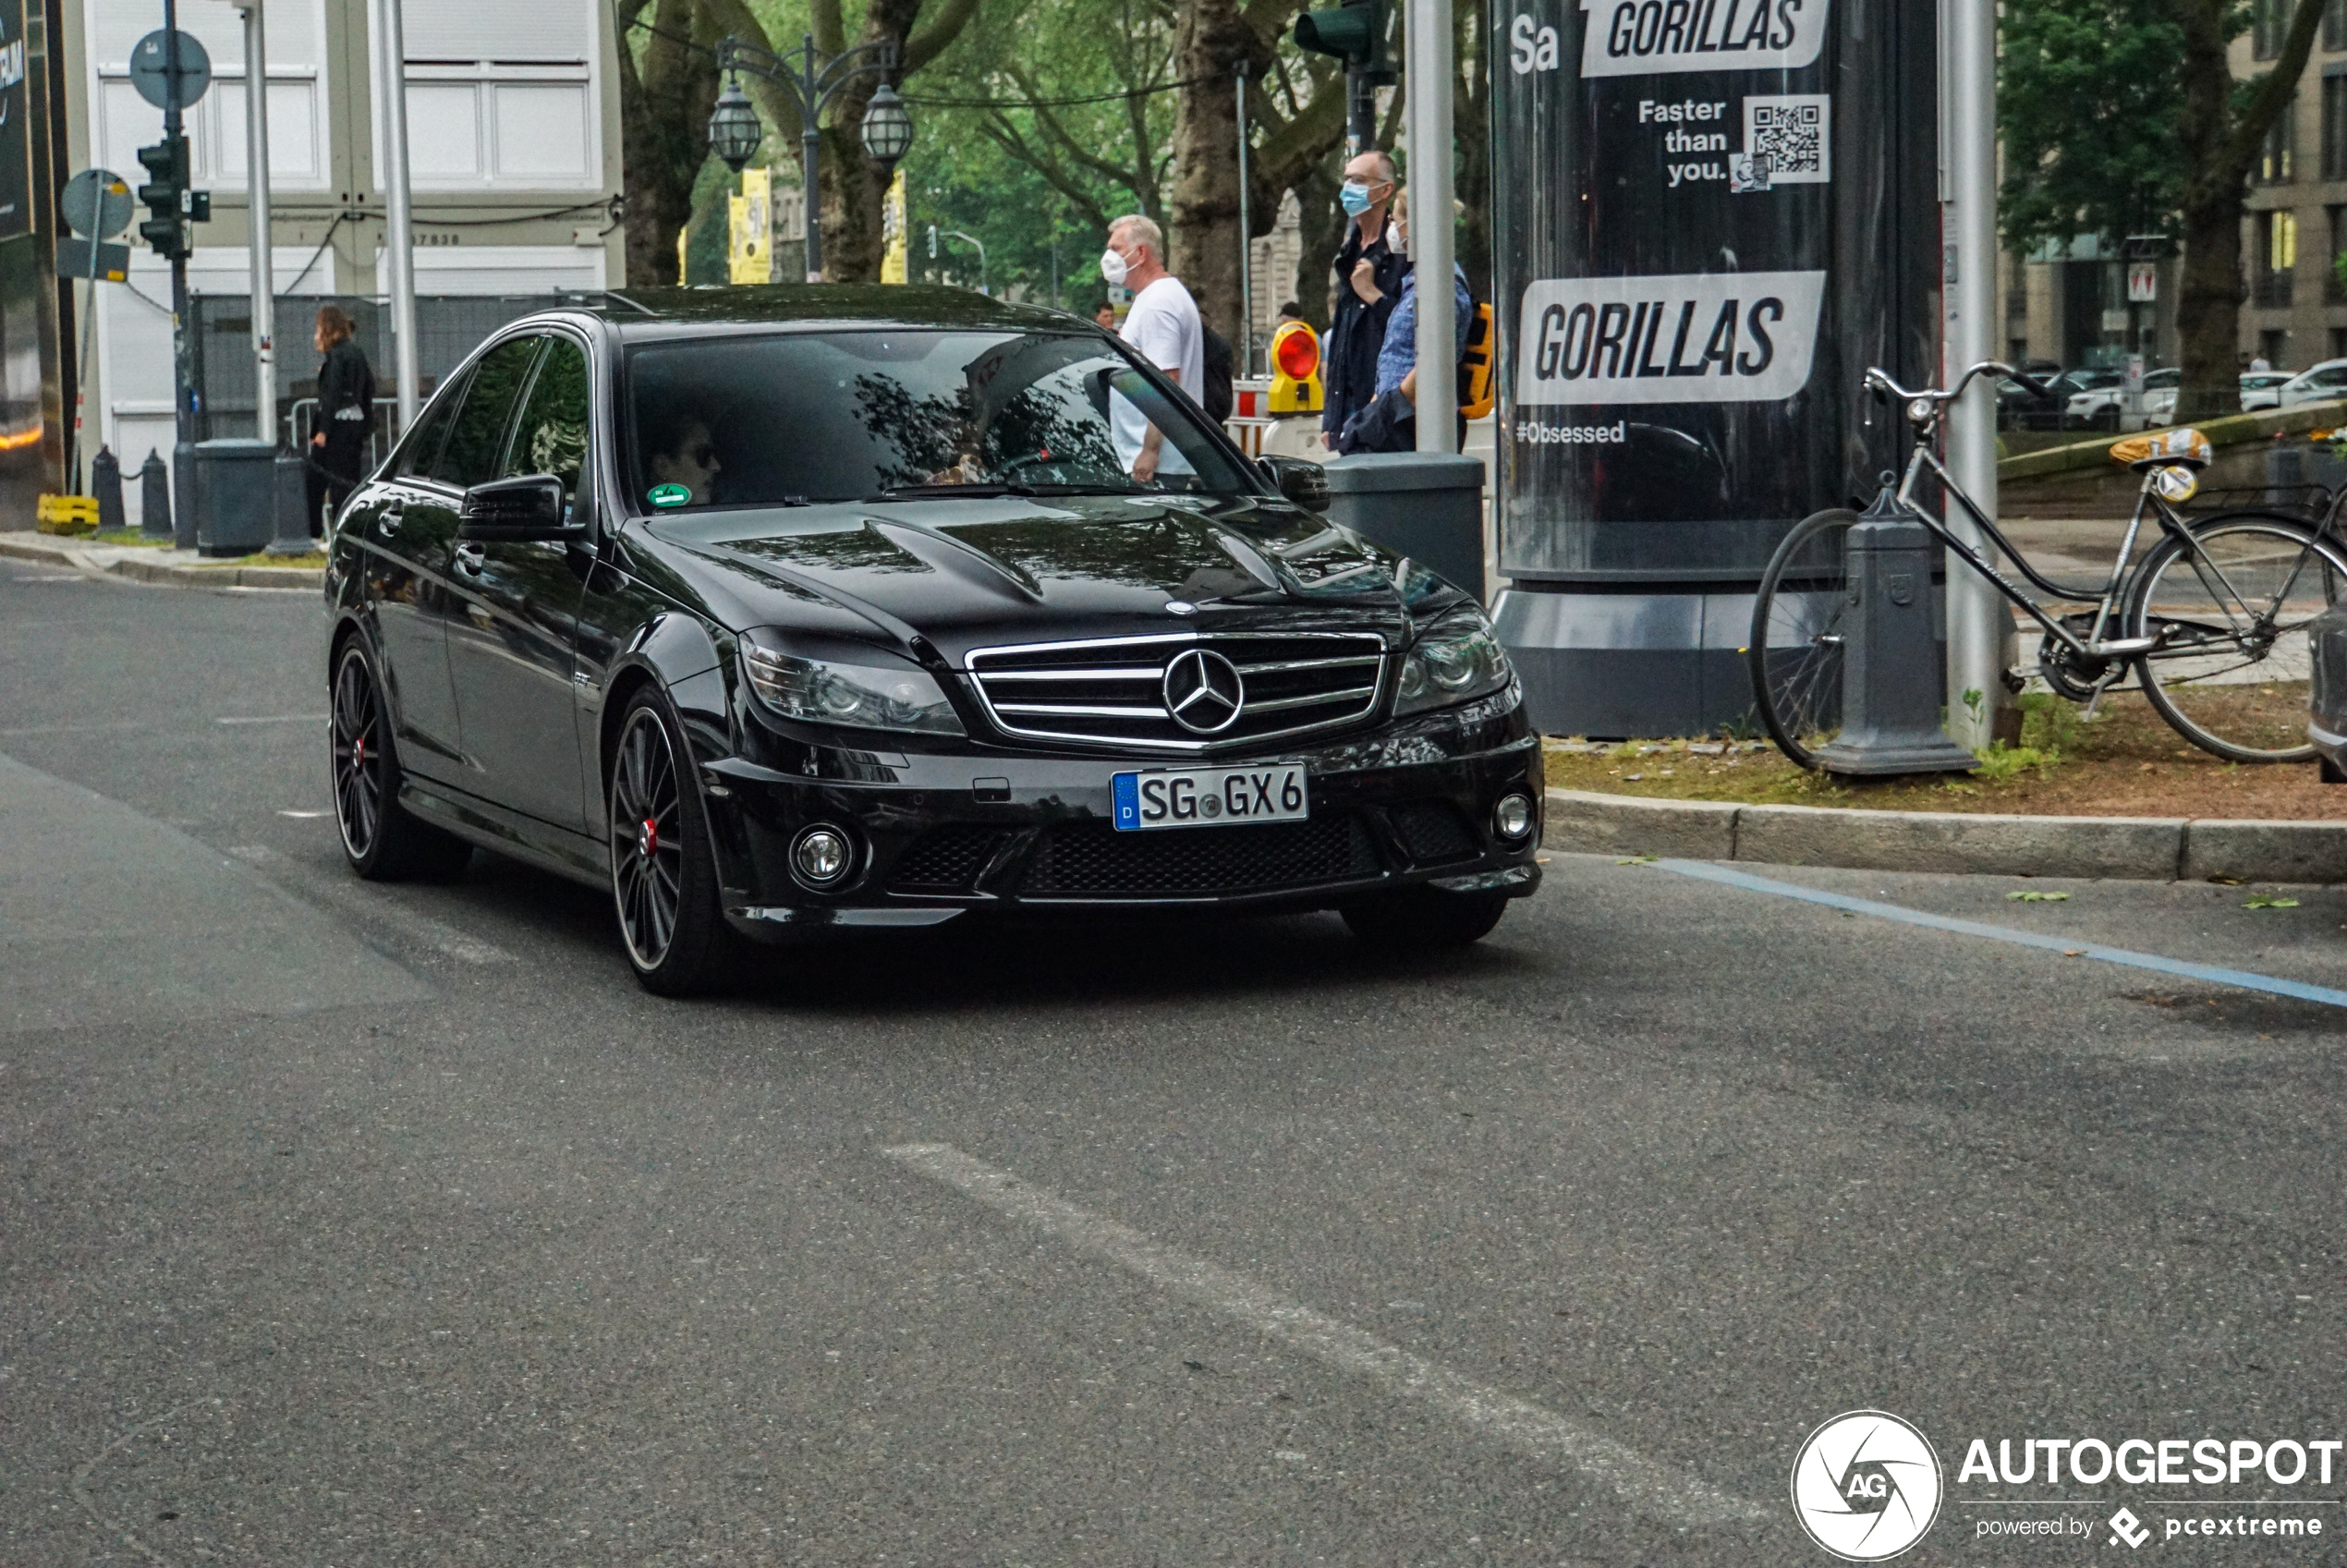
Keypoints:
(470, 558)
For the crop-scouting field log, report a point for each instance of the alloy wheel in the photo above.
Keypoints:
(647, 839)
(358, 755)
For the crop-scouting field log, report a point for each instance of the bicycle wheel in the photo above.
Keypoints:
(2234, 609)
(1795, 656)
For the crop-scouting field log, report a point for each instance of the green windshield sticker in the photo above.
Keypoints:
(669, 495)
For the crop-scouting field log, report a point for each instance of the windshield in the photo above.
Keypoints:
(848, 416)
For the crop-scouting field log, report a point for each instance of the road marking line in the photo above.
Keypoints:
(1661, 1490)
(303, 815)
(276, 719)
(2069, 947)
(419, 929)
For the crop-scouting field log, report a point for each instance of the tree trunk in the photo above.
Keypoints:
(1213, 41)
(1322, 236)
(663, 105)
(1471, 122)
(2208, 306)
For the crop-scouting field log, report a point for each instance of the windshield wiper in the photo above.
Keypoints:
(951, 491)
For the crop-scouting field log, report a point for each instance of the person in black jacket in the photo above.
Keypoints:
(346, 415)
(1370, 271)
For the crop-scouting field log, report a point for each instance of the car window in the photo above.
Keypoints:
(477, 435)
(843, 416)
(550, 436)
(421, 450)
(2163, 378)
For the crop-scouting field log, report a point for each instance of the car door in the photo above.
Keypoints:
(509, 638)
(406, 546)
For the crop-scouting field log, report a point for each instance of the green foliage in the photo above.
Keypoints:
(2089, 93)
(2000, 761)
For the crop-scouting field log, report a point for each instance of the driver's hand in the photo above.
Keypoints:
(1145, 466)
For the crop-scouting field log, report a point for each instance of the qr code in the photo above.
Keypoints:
(1790, 137)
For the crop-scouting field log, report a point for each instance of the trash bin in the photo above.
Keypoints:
(1427, 506)
(236, 496)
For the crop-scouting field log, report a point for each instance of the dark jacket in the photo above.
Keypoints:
(1356, 330)
(346, 391)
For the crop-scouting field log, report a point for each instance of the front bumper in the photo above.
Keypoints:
(938, 833)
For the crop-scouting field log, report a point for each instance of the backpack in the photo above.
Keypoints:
(1216, 396)
(1474, 365)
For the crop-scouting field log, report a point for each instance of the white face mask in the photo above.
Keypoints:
(1113, 268)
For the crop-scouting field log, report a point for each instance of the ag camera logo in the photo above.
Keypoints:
(1867, 1485)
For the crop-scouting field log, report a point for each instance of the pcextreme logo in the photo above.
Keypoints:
(1866, 1486)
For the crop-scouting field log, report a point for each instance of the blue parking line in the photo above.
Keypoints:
(2241, 978)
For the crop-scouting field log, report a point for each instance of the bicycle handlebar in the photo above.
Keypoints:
(1877, 377)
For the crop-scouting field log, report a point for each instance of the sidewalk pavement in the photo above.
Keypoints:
(177, 568)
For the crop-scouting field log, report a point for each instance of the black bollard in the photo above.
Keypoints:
(1890, 667)
(105, 485)
(154, 497)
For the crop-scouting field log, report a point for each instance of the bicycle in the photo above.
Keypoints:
(2211, 620)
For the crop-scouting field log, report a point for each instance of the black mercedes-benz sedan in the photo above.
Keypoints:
(778, 608)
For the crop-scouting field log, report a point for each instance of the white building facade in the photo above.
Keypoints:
(513, 121)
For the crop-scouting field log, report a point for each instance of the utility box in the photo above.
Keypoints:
(1427, 506)
(236, 496)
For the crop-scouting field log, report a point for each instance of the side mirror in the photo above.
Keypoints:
(533, 506)
(1305, 483)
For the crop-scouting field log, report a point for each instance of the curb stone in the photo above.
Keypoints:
(2144, 848)
(128, 563)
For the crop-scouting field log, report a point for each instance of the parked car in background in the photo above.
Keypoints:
(2315, 384)
(2160, 395)
(2262, 389)
(2089, 396)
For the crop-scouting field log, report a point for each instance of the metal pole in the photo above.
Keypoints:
(1431, 238)
(810, 146)
(183, 405)
(1247, 244)
(264, 282)
(1360, 113)
(399, 240)
(81, 378)
(1977, 623)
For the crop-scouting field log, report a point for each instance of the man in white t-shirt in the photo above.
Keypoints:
(1162, 327)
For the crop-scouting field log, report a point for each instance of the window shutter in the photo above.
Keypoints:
(515, 30)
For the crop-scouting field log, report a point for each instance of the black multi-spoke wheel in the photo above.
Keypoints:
(663, 876)
(382, 841)
(1797, 649)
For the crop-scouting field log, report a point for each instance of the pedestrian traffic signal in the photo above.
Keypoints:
(1296, 371)
(165, 197)
(1353, 32)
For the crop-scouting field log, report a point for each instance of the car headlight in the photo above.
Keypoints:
(870, 697)
(1456, 658)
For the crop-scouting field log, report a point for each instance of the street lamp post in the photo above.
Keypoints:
(812, 80)
(957, 233)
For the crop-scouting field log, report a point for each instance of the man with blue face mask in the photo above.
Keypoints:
(1370, 271)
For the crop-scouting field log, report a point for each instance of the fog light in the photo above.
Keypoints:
(822, 856)
(1513, 816)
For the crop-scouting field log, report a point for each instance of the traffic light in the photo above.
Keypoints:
(166, 196)
(1353, 32)
(1295, 370)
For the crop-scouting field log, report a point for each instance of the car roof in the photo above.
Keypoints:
(643, 315)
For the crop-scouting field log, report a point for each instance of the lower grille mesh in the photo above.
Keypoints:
(1094, 858)
(947, 859)
(1433, 832)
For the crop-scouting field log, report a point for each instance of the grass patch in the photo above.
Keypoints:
(128, 537)
(314, 560)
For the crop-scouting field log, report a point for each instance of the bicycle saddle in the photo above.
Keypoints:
(2185, 448)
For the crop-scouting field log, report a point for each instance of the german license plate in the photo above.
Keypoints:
(1202, 797)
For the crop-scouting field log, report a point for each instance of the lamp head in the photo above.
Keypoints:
(734, 130)
(888, 128)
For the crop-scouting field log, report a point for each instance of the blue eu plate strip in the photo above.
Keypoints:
(2242, 979)
(1126, 789)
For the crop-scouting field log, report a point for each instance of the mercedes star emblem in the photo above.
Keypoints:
(1203, 691)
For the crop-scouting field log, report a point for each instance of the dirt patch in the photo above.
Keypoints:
(2127, 763)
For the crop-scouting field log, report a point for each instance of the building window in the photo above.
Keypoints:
(2335, 24)
(2273, 347)
(2276, 257)
(2339, 343)
(2270, 23)
(2275, 164)
(2335, 126)
(2336, 217)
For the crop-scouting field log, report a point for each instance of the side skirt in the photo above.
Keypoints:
(550, 848)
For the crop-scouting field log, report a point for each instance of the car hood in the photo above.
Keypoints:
(971, 574)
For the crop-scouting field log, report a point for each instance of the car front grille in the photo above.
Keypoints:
(943, 860)
(1112, 692)
(1433, 832)
(1093, 860)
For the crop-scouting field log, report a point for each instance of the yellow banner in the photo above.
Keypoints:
(749, 256)
(894, 230)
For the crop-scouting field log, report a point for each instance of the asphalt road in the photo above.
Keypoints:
(353, 1225)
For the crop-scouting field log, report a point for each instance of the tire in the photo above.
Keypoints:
(1796, 651)
(666, 891)
(2261, 577)
(382, 841)
(1424, 920)
(2331, 772)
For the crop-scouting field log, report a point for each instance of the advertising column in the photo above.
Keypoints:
(1721, 213)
